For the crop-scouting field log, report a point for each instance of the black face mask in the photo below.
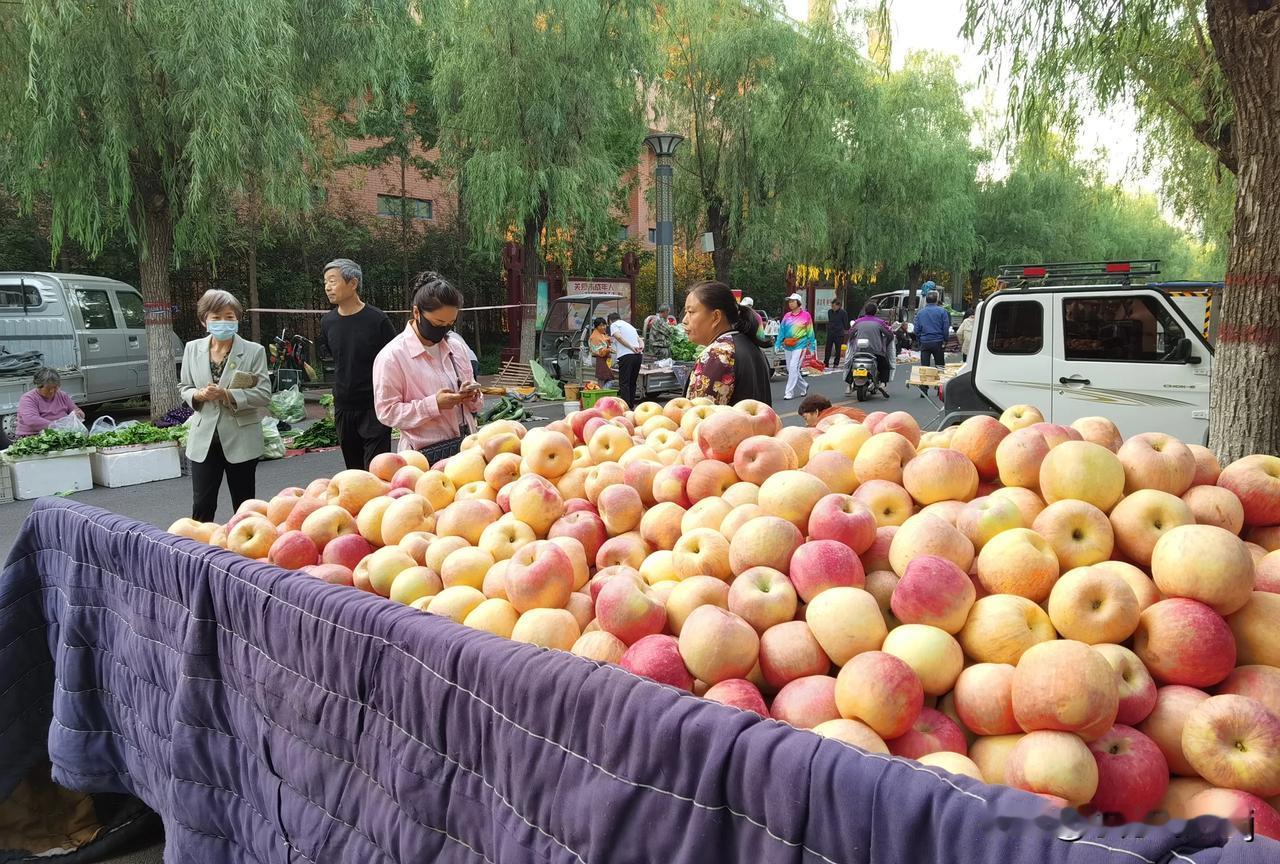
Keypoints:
(431, 332)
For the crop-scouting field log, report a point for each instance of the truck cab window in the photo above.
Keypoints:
(95, 309)
(1017, 327)
(1124, 328)
(131, 310)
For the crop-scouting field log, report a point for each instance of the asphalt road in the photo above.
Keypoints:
(162, 502)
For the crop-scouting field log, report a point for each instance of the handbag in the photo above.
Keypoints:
(442, 450)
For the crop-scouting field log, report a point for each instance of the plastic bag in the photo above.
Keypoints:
(272, 442)
(70, 423)
(103, 425)
(546, 386)
(288, 405)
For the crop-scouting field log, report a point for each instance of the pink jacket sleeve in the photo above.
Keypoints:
(388, 396)
(29, 419)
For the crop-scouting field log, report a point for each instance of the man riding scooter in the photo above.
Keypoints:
(871, 335)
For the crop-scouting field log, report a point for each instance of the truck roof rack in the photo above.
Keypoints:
(1078, 272)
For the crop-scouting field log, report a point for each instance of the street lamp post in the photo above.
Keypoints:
(664, 146)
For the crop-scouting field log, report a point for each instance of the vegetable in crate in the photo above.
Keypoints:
(682, 348)
(48, 441)
(138, 433)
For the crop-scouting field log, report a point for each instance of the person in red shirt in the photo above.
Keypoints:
(816, 408)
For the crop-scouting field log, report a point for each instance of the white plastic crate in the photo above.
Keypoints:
(38, 476)
(6, 483)
(128, 466)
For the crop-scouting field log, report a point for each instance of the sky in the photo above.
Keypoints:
(934, 25)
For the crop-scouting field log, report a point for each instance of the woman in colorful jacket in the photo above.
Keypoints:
(795, 336)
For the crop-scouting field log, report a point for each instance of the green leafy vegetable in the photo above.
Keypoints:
(48, 441)
(318, 435)
(140, 433)
(682, 348)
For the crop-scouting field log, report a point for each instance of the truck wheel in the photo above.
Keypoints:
(9, 425)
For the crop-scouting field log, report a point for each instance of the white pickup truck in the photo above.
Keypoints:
(91, 329)
(1077, 340)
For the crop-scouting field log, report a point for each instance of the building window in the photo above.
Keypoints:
(1017, 327)
(419, 208)
(622, 233)
(653, 236)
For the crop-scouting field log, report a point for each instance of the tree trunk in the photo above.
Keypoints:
(913, 291)
(404, 235)
(533, 269)
(1245, 387)
(157, 239)
(722, 256)
(975, 286)
(255, 318)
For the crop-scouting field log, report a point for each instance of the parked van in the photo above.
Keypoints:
(91, 329)
(1084, 340)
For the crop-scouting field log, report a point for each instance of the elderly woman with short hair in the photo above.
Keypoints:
(44, 404)
(226, 382)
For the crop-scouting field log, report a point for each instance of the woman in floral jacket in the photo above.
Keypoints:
(731, 367)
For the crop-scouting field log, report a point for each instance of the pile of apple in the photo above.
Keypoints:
(1048, 607)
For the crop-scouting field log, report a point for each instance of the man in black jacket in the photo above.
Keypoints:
(354, 332)
(837, 331)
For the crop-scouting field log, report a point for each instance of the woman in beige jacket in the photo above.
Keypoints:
(226, 382)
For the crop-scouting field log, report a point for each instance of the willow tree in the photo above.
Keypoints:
(152, 117)
(541, 114)
(762, 100)
(915, 206)
(1204, 74)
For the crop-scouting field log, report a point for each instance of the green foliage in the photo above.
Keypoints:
(543, 111)
(761, 100)
(915, 202)
(1064, 57)
(176, 103)
(1052, 207)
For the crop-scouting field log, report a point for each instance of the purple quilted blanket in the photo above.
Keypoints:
(270, 717)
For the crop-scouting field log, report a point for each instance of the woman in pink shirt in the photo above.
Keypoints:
(38, 408)
(422, 380)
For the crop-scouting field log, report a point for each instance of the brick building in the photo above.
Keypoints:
(432, 202)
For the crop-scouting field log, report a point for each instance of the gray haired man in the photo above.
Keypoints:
(354, 332)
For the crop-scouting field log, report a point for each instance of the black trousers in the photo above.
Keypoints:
(361, 436)
(628, 375)
(834, 343)
(206, 482)
(932, 351)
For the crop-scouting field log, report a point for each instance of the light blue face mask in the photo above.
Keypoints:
(222, 330)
